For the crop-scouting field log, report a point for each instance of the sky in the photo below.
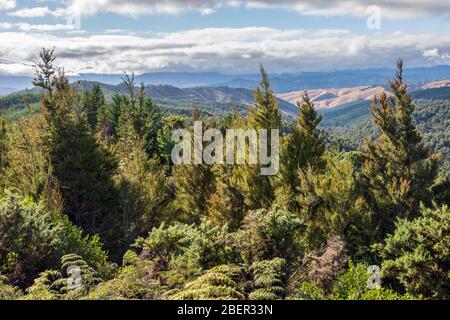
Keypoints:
(227, 36)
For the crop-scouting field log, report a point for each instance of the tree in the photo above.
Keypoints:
(3, 147)
(303, 148)
(94, 102)
(84, 168)
(399, 170)
(331, 205)
(143, 187)
(264, 114)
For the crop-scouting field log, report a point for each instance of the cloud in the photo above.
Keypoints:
(231, 50)
(431, 53)
(35, 27)
(37, 12)
(7, 4)
(390, 8)
(434, 54)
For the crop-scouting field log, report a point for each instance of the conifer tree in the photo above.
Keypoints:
(84, 169)
(399, 170)
(94, 102)
(226, 205)
(264, 114)
(3, 148)
(302, 148)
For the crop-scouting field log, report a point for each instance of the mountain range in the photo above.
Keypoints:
(280, 82)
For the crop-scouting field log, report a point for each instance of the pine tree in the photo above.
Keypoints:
(302, 149)
(264, 114)
(399, 170)
(84, 168)
(194, 185)
(3, 148)
(94, 102)
(143, 190)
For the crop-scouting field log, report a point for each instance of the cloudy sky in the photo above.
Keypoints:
(229, 36)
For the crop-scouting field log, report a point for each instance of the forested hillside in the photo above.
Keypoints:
(88, 183)
(432, 118)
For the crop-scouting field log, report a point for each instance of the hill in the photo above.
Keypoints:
(334, 97)
(431, 116)
(211, 100)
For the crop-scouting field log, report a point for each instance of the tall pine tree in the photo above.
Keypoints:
(303, 148)
(399, 169)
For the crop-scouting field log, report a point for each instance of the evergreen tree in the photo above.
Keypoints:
(303, 148)
(3, 149)
(331, 205)
(398, 170)
(264, 114)
(194, 185)
(94, 102)
(84, 169)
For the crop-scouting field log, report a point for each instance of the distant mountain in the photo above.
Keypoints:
(223, 95)
(442, 93)
(280, 82)
(437, 84)
(211, 98)
(355, 111)
(333, 97)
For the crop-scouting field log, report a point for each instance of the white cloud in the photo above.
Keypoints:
(7, 4)
(37, 12)
(390, 8)
(434, 54)
(237, 50)
(431, 53)
(35, 27)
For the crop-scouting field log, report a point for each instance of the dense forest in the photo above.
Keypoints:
(89, 183)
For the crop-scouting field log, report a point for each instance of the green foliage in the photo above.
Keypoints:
(268, 281)
(417, 254)
(302, 148)
(83, 168)
(182, 251)
(88, 170)
(266, 235)
(352, 285)
(33, 240)
(258, 190)
(194, 185)
(331, 204)
(399, 170)
(94, 102)
(8, 292)
(215, 284)
(131, 282)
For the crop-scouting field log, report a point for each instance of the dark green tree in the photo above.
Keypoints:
(94, 102)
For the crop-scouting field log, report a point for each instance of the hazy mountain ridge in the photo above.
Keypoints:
(280, 82)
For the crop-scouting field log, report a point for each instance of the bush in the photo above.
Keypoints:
(33, 240)
(417, 254)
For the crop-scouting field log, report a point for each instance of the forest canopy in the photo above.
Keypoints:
(88, 184)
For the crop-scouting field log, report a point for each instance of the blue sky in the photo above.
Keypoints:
(224, 35)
